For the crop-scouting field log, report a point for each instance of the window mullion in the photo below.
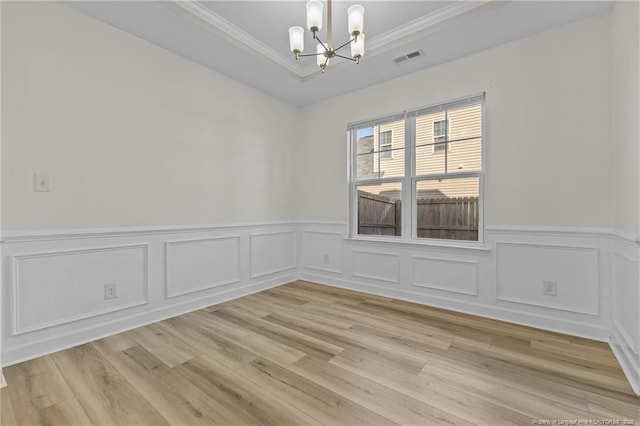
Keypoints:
(408, 193)
(446, 141)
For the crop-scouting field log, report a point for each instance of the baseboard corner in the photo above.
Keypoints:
(628, 362)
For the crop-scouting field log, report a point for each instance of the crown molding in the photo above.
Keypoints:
(450, 11)
(375, 45)
(238, 36)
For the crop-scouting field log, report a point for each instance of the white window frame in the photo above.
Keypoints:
(410, 180)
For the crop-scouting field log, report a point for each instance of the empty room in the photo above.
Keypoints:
(317, 212)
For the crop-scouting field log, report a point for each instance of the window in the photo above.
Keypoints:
(440, 135)
(386, 144)
(441, 194)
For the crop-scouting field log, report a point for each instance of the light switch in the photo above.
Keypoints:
(42, 182)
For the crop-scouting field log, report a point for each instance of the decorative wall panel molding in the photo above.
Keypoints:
(322, 250)
(272, 252)
(59, 287)
(201, 264)
(451, 275)
(626, 296)
(376, 265)
(522, 269)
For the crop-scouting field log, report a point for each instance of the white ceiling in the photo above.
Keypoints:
(248, 40)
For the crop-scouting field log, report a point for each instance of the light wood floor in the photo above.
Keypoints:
(304, 354)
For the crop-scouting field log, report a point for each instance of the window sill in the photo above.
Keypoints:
(431, 244)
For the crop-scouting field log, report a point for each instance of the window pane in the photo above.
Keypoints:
(465, 122)
(430, 143)
(428, 127)
(379, 209)
(380, 151)
(448, 208)
(464, 155)
(430, 159)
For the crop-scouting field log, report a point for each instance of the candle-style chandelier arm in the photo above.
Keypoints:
(310, 54)
(349, 58)
(346, 43)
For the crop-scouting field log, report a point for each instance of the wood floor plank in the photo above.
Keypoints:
(526, 403)
(442, 396)
(410, 361)
(613, 407)
(380, 399)
(340, 293)
(387, 329)
(105, 396)
(484, 366)
(307, 344)
(115, 343)
(322, 404)
(417, 316)
(167, 348)
(7, 415)
(64, 413)
(241, 395)
(254, 342)
(569, 349)
(225, 351)
(35, 385)
(172, 395)
(578, 369)
(305, 353)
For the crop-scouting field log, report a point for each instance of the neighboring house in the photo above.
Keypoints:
(446, 142)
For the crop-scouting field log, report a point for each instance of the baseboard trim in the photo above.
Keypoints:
(61, 342)
(625, 358)
(599, 333)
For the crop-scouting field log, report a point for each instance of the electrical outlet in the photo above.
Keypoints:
(326, 259)
(110, 291)
(41, 182)
(549, 288)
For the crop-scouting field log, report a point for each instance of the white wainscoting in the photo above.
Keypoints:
(56, 299)
(449, 275)
(201, 264)
(376, 265)
(625, 338)
(322, 251)
(272, 253)
(481, 279)
(521, 269)
(48, 285)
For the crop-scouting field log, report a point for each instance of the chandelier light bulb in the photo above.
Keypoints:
(296, 39)
(314, 15)
(357, 47)
(355, 16)
(320, 58)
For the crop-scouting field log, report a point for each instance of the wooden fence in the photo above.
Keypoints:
(445, 218)
(378, 215)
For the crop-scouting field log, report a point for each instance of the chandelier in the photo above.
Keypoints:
(324, 52)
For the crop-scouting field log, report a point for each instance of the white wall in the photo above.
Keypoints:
(2, 381)
(625, 125)
(625, 135)
(131, 133)
(547, 128)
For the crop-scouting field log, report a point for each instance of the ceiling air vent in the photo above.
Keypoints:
(407, 56)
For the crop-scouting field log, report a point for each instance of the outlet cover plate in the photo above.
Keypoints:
(549, 288)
